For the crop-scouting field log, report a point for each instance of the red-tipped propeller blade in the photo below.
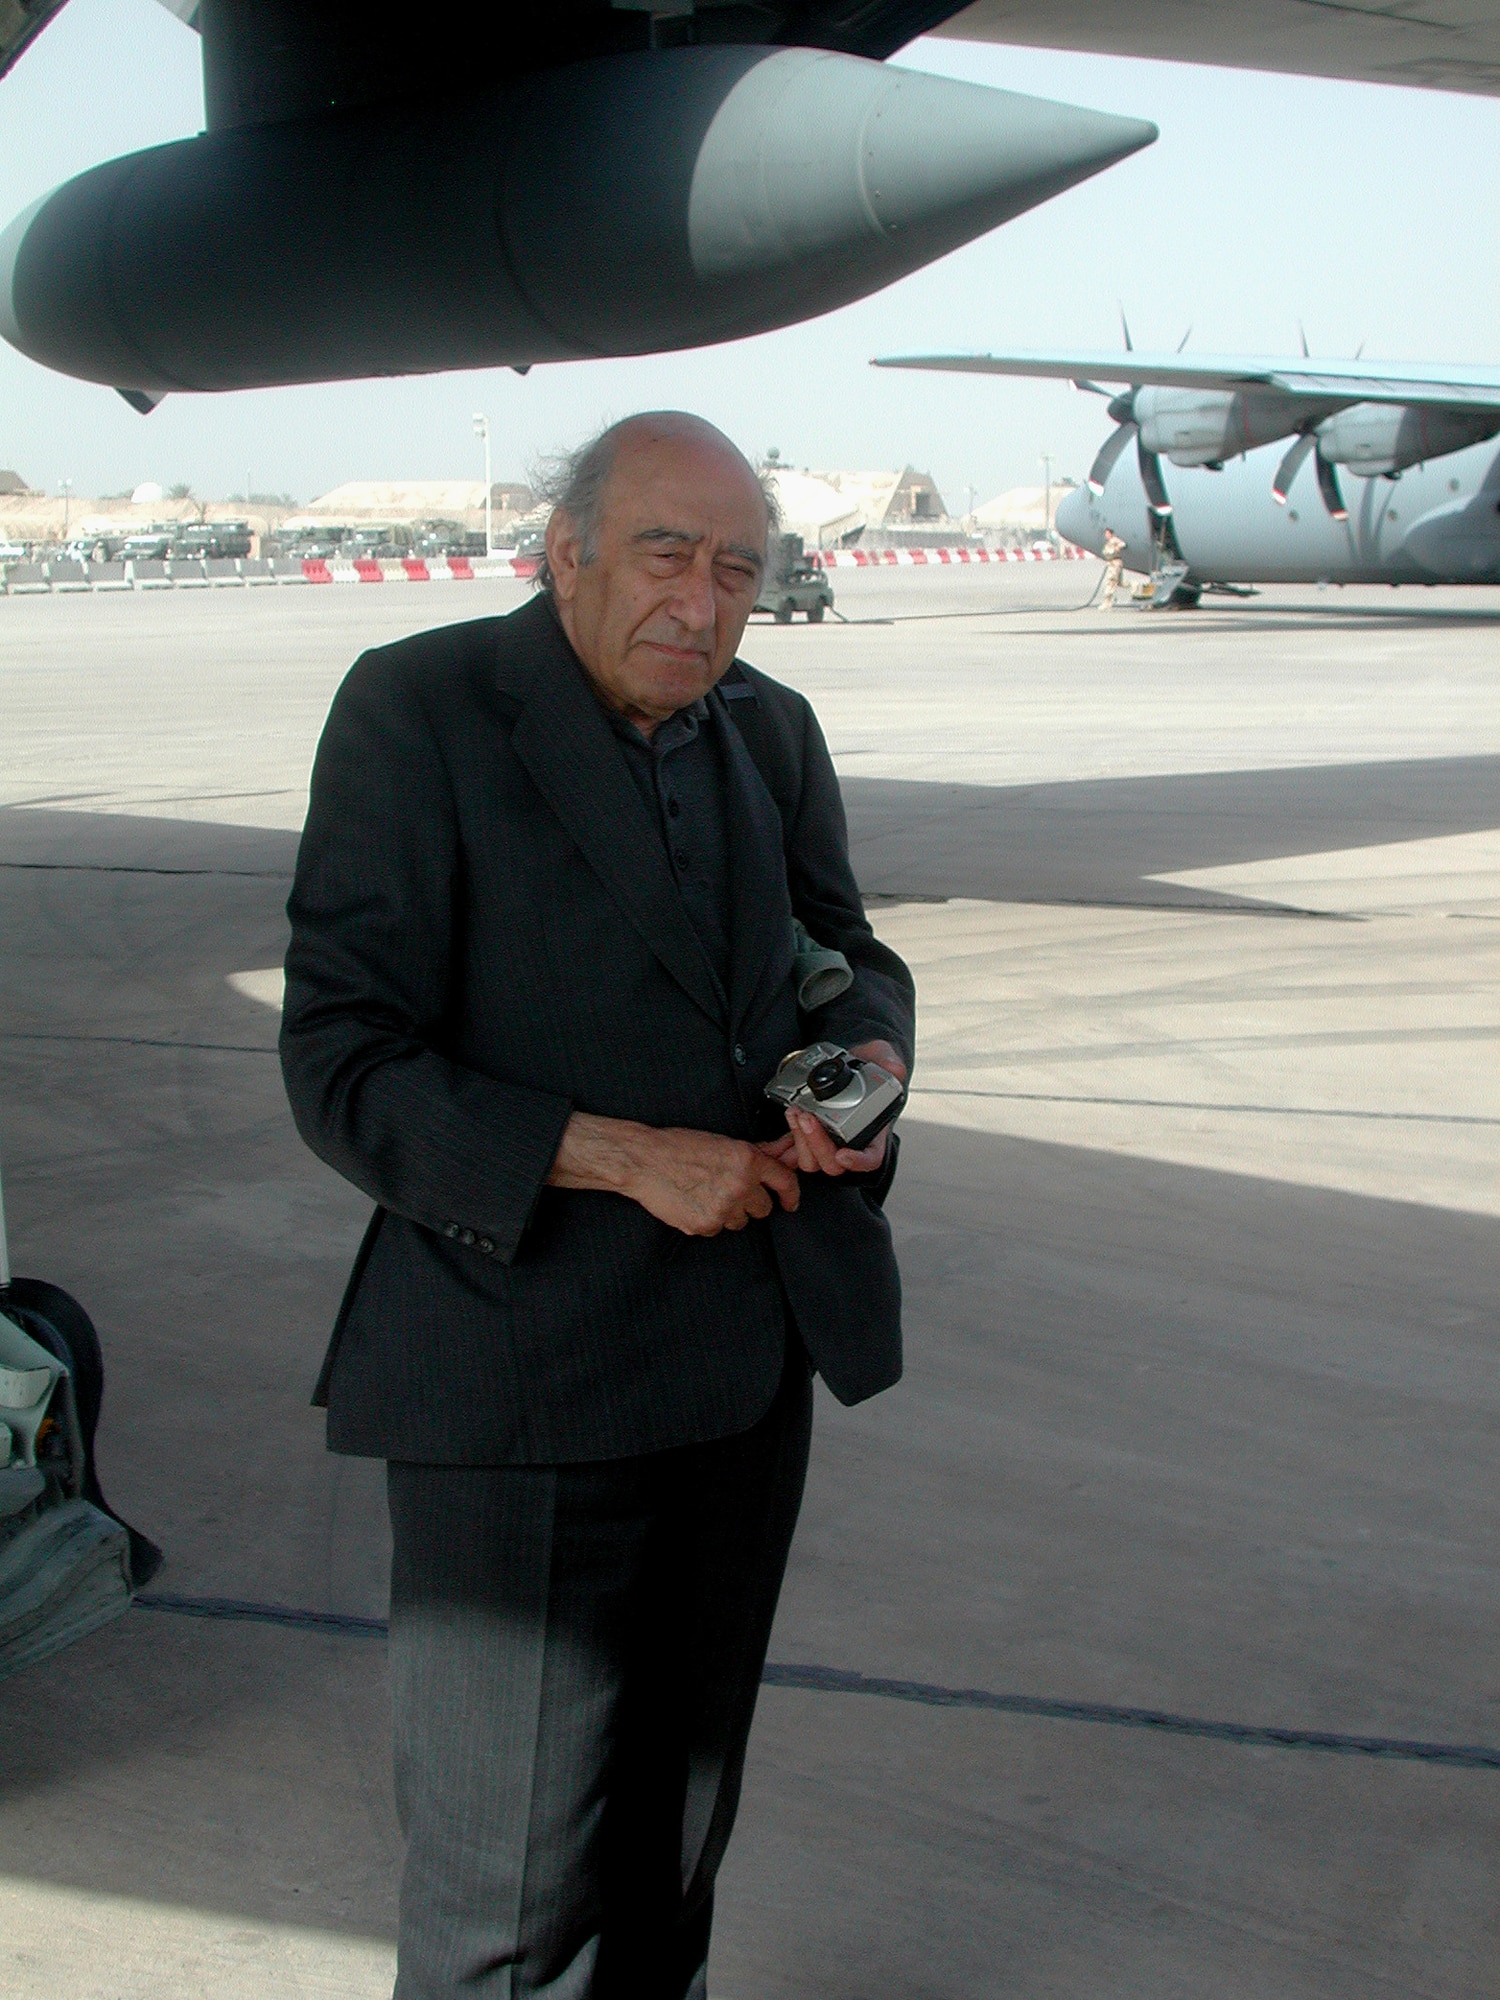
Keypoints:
(1109, 451)
(1290, 466)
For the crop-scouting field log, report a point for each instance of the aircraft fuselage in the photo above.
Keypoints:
(1437, 523)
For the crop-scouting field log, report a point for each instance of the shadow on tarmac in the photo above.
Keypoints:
(1090, 840)
(1100, 840)
(1168, 1437)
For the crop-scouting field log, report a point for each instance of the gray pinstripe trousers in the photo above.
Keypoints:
(575, 1655)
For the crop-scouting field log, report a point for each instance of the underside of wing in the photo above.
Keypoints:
(1126, 366)
(1416, 383)
(1434, 44)
(21, 21)
(363, 49)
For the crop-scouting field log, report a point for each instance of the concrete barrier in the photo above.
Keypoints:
(156, 573)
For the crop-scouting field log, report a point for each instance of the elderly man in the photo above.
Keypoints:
(541, 970)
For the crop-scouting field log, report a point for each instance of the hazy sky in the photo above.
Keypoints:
(1370, 214)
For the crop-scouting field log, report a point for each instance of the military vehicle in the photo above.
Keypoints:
(794, 582)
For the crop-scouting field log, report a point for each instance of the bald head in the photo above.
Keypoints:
(655, 556)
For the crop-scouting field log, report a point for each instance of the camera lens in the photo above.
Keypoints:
(827, 1078)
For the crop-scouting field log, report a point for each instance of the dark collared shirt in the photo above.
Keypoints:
(682, 781)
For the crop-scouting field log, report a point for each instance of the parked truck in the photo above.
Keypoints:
(794, 582)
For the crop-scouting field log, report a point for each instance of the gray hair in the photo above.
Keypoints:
(574, 483)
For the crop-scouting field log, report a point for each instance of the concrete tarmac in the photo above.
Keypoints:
(1189, 1491)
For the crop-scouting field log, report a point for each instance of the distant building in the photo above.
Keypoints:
(814, 508)
(1021, 513)
(13, 485)
(408, 502)
(838, 509)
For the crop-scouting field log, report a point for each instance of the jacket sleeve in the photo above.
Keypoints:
(881, 1004)
(368, 984)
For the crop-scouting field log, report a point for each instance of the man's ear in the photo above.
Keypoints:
(562, 555)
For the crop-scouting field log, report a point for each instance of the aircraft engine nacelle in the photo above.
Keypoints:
(1372, 438)
(625, 205)
(1206, 426)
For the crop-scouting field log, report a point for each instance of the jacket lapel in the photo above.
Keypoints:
(563, 738)
(762, 906)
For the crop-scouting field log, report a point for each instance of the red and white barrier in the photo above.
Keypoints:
(466, 569)
(413, 569)
(936, 558)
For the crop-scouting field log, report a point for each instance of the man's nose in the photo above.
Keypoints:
(694, 606)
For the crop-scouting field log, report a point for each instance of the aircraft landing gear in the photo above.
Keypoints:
(1169, 587)
(1173, 590)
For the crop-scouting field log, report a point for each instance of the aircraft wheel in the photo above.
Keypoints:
(784, 611)
(814, 614)
(1187, 597)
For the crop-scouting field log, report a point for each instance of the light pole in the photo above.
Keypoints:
(1047, 469)
(67, 494)
(482, 429)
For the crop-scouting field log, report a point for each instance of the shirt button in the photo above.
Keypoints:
(487, 1246)
(680, 857)
(467, 1239)
(739, 1054)
(450, 1230)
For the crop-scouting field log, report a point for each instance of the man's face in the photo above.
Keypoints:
(658, 614)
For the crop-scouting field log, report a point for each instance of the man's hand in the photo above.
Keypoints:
(811, 1147)
(697, 1182)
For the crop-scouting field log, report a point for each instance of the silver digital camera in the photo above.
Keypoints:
(849, 1095)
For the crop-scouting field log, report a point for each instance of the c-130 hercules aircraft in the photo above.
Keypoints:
(1329, 471)
(619, 176)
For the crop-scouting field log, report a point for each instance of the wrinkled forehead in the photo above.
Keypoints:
(692, 480)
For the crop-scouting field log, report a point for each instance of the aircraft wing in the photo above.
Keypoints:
(1319, 379)
(1433, 44)
(21, 21)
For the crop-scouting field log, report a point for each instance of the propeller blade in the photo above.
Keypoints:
(1090, 388)
(1290, 466)
(1328, 486)
(1109, 451)
(1306, 350)
(1184, 340)
(1157, 497)
(1125, 328)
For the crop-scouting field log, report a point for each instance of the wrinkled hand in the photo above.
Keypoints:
(811, 1147)
(701, 1183)
(697, 1182)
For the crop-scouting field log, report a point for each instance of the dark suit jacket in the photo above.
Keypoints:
(486, 935)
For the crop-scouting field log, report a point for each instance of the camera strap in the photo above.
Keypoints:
(773, 750)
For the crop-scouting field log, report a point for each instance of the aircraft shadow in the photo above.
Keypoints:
(1169, 1436)
(1101, 840)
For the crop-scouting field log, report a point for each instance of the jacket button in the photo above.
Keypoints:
(486, 1246)
(467, 1239)
(450, 1230)
(739, 1054)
